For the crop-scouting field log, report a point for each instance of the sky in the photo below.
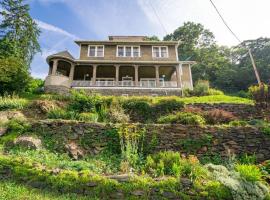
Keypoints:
(63, 21)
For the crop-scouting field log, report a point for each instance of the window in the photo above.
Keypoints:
(128, 51)
(96, 51)
(160, 52)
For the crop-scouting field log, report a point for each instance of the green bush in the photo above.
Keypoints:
(171, 163)
(250, 173)
(247, 159)
(34, 86)
(201, 88)
(59, 113)
(91, 117)
(82, 102)
(182, 118)
(238, 123)
(212, 91)
(168, 105)
(12, 102)
(138, 107)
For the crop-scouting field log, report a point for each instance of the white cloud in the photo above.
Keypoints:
(49, 27)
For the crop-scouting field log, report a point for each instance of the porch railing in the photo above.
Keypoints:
(109, 83)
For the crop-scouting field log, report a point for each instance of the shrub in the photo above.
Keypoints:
(34, 86)
(182, 118)
(218, 116)
(238, 123)
(171, 163)
(168, 105)
(82, 102)
(201, 88)
(11, 102)
(62, 114)
(247, 159)
(239, 187)
(131, 142)
(250, 173)
(260, 94)
(92, 117)
(116, 114)
(138, 107)
(212, 91)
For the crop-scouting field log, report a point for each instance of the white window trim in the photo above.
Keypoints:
(96, 47)
(132, 55)
(159, 51)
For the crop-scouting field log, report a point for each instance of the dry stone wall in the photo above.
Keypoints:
(91, 138)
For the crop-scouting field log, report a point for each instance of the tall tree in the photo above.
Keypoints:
(18, 31)
(198, 44)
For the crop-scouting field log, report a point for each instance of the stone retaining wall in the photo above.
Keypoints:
(242, 111)
(91, 138)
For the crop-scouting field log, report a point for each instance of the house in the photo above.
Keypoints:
(122, 65)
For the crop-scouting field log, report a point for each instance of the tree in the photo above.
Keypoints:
(14, 76)
(18, 31)
(260, 49)
(198, 44)
(152, 38)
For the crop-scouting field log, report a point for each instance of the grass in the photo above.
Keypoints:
(10, 190)
(12, 103)
(250, 173)
(217, 99)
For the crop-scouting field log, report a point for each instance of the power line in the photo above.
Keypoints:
(226, 24)
(158, 18)
(237, 38)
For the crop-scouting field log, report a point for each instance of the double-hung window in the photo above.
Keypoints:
(96, 51)
(160, 52)
(128, 51)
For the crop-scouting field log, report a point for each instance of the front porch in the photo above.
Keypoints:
(145, 78)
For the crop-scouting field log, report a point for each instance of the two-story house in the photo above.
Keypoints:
(122, 65)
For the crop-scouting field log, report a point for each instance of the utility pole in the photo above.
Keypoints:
(254, 67)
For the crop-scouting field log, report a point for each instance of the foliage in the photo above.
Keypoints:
(247, 159)
(59, 113)
(35, 86)
(240, 188)
(82, 102)
(168, 105)
(170, 163)
(201, 88)
(218, 116)
(116, 114)
(12, 102)
(260, 94)
(249, 172)
(185, 118)
(14, 76)
(152, 38)
(19, 32)
(192, 145)
(131, 143)
(238, 123)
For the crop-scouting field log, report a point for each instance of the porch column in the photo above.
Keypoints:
(157, 76)
(178, 76)
(71, 73)
(54, 70)
(94, 74)
(116, 74)
(136, 67)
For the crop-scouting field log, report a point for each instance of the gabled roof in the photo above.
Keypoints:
(63, 54)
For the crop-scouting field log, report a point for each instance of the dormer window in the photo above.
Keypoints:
(160, 52)
(96, 51)
(128, 51)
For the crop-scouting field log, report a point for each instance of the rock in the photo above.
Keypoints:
(74, 150)
(120, 178)
(91, 184)
(185, 182)
(168, 195)
(117, 195)
(138, 193)
(28, 142)
(5, 116)
(3, 130)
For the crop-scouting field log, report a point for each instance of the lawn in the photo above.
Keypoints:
(10, 190)
(217, 99)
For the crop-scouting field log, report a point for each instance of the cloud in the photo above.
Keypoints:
(49, 27)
